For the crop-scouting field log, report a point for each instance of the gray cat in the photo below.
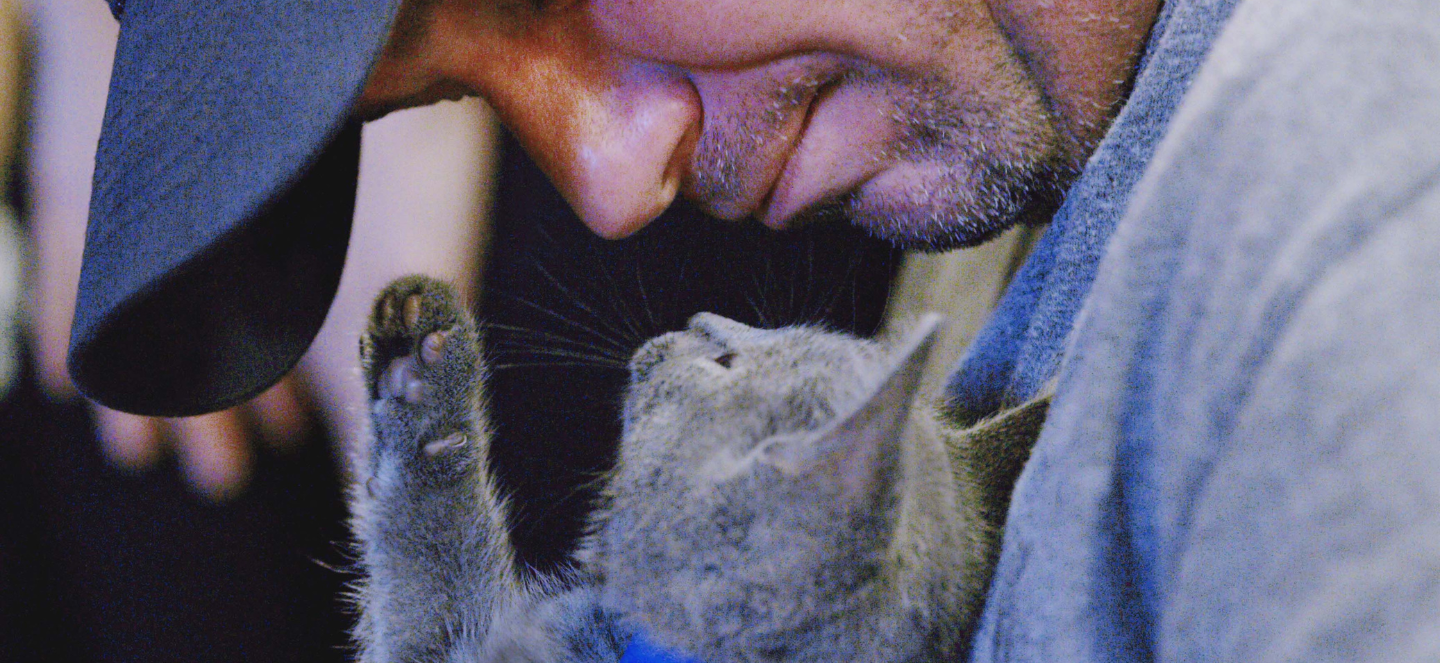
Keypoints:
(764, 505)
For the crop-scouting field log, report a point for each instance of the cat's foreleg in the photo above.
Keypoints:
(434, 551)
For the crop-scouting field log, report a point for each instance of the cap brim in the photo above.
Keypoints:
(224, 190)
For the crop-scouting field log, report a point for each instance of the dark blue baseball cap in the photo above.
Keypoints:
(223, 194)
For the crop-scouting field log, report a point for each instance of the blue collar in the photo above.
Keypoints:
(641, 650)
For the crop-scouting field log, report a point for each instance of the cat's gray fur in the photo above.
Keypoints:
(762, 508)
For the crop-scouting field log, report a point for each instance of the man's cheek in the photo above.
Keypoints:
(718, 34)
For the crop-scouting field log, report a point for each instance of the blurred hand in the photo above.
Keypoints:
(214, 451)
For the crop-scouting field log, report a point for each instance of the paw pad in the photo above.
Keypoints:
(411, 328)
(402, 378)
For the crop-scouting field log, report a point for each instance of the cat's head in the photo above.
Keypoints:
(756, 484)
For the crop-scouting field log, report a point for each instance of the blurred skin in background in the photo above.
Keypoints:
(426, 171)
(10, 257)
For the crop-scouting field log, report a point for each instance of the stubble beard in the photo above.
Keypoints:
(987, 159)
(980, 159)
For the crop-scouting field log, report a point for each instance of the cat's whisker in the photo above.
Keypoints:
(769, 276)
(611, 334)
(789, 293)
(589, 487)
(532, 331)
(567, 321)
(809, 266)
(555, 364)
(542, 338)
(819, 301)
(764, 302)
(759, 314)
(519, 346)
(684, 262)
(830, 297)
(644, 298)
(854, 272)
(578, 301)
(519, 330)
(522, 348)
(570, 354)
(528, 354)
(617, 300)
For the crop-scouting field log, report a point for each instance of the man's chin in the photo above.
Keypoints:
(931, 235)
(938, 217)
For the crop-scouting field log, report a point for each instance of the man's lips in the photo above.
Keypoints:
(828, 137)
(841, 145)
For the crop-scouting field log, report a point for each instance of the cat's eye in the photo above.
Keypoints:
(725, 358)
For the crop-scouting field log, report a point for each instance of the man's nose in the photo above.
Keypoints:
(613, 132)
(626, 150)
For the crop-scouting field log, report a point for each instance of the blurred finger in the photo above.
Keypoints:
(281, 415)
(75, 52)
(129, 441)
(214, 453)
(50, 331)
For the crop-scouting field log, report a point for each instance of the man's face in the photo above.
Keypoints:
(933, 123)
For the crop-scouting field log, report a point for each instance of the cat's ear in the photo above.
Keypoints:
(858, 453)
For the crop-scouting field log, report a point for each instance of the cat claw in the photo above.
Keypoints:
(385, 312)
(433, 346)
(448, 443)
(412, 311)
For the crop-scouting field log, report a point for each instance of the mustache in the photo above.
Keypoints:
(734, 147)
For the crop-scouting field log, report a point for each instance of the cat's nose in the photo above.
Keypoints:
(649, 356)
(717, 328)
